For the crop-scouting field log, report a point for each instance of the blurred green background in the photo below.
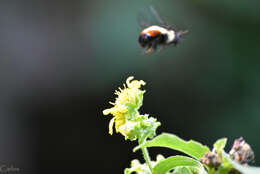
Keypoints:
(62, 60)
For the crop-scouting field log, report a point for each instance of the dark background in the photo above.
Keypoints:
(60, 63)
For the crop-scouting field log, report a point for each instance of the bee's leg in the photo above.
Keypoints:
(175, 42)
(154, 46)
(161, 48)
(149, 49)
(157, 41)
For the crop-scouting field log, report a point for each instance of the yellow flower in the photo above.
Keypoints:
(129, 95)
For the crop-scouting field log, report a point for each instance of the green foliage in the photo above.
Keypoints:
(191, 148)
(137, 167)
(146, 128)
(186, 165)
(170, 163)
(246, 169)
(182, 170)
(243, 168)
(220, 145)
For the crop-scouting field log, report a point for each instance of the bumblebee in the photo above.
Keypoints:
(158, 35)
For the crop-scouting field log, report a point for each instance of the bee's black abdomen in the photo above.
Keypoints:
(147, 41)
(162, 38)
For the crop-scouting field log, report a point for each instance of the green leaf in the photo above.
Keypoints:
(242, 168)
(222, 170)
(170, 163)
(220, 145)
(191, 148)
(182, 170)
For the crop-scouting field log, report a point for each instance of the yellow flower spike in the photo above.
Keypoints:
(128, 95)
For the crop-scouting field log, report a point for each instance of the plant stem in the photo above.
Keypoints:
(147, 158)
(145, 153)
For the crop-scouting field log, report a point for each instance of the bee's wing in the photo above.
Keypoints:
(149, 16)
(143, 19)
(157, 16)
(159, 19)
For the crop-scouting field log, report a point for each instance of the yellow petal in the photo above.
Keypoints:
(128, 80)
(107, 111)
(111, 124)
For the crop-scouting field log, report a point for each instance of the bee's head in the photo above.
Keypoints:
(144, 40)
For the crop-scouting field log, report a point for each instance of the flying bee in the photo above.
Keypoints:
(161, 35)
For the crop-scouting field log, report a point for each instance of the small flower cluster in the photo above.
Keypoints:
(126, 117)
(241, 153)
(211, 160)
(138, 168)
